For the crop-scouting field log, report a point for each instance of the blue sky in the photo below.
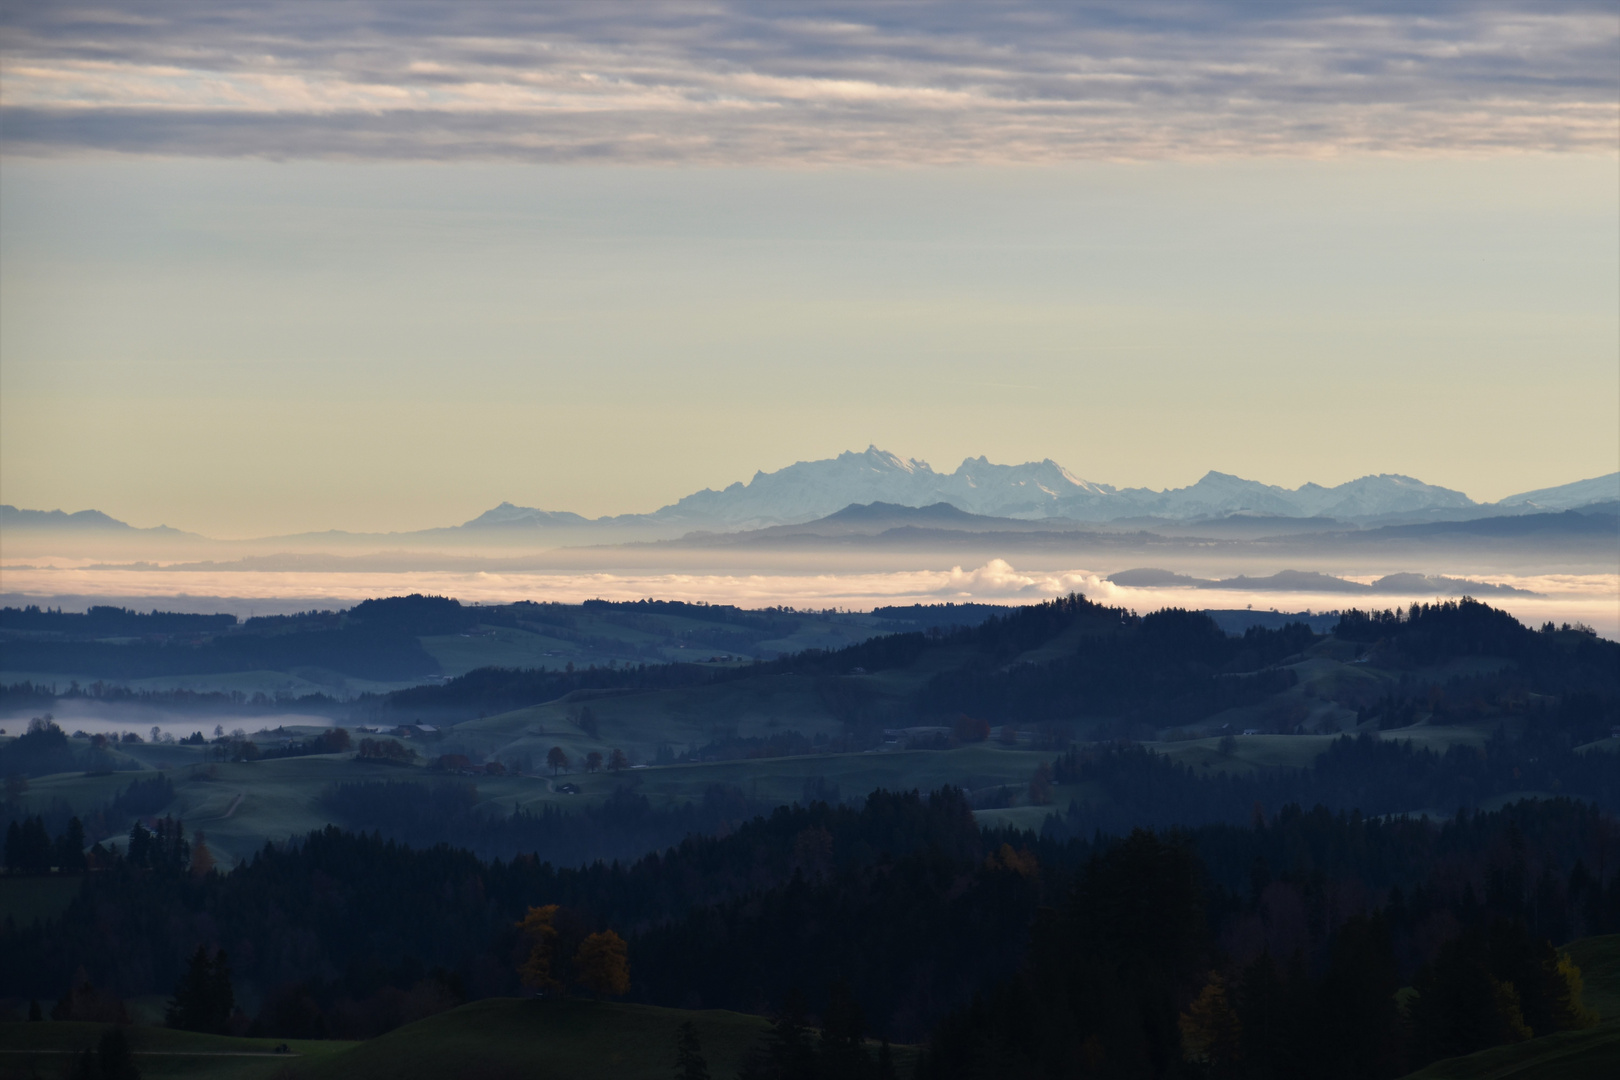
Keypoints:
(273, 267)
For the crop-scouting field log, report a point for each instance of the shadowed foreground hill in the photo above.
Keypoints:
(491, 1039)
(541, 1040)
(45, 1051)
(1593, 1054)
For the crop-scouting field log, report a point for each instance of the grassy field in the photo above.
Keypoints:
(1599, 961)
(46, 1050)
(241, 806)
(565, 1040)
(486, 1040)
(1593, 1054)
(538, 1040)
(503, 646)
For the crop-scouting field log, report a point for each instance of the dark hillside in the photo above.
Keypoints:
(905, 899)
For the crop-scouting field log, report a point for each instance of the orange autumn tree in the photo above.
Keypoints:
(602, 964)
(539, 927)
(202, 860)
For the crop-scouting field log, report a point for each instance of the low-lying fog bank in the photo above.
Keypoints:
(1590, 598)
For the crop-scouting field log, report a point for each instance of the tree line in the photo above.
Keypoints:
(904, 900)
(1122, 785)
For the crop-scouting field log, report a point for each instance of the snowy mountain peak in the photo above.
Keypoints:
(807, 490)
(881, 461)
(1569, 496)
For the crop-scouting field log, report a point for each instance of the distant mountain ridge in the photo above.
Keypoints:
(1039, 490)
(79, 521)
(507, 516)
(1599, 489)
(1036, 491)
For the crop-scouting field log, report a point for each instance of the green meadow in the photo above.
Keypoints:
(46, 1050)
(565, 1040)
(241, 806)
(1592, 1054)
(490, 1039)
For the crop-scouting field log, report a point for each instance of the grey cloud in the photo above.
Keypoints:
(774, 83)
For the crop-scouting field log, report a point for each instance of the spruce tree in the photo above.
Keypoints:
(204, 999)
(117, 1062)
(843, 1036)
(689, 1061)
(70, 848)
(222, 998)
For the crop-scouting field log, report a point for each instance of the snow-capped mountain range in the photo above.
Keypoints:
(1044, 489)
(1033, 491)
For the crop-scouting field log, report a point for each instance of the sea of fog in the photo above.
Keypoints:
(1591, 599)
(115, 718)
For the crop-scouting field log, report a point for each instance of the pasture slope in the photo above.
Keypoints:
(46, 1050)
(243, 805)
(543, 1040)
(486, 1040)
(1593, 1054)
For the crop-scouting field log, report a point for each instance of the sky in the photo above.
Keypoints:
(275, 267)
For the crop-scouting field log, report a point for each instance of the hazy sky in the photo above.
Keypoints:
(268, 268)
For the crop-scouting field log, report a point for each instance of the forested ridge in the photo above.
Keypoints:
(1126, 784)
(1169, 918)
(1139, 673)
(381, 639)
(906, 901)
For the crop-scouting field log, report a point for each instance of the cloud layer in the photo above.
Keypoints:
(1588, 598)
(795, 83)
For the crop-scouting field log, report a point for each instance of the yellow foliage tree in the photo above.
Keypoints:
(602, 964)
(1510, 1011)
(539, 926)
(1571, 994)
(1210, 1030)
(1021, 862)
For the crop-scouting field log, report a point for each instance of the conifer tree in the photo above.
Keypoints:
(885, 1062)
(116, 1062)
(689, 1061)
(69, 855)
(204, 999)
(843, 1036)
